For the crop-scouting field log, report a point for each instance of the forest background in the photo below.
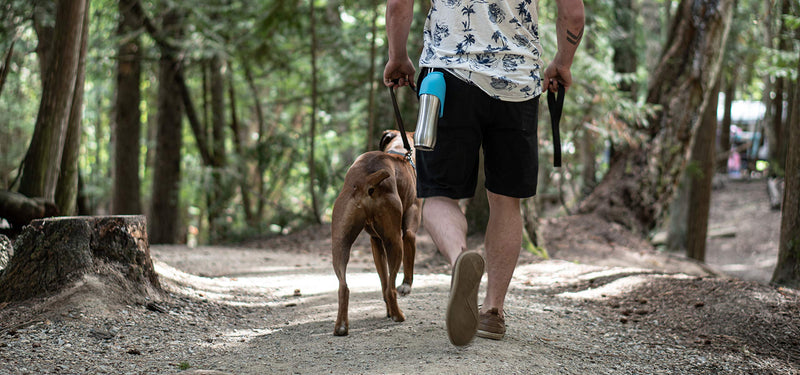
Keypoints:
(223, 120)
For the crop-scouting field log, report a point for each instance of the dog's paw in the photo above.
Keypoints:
(340, 330)
(399, 317)
(404, 289)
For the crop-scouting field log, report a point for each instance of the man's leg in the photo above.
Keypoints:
(447, 226)
(503, 242)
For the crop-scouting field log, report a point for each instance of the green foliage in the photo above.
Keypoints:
(271, 40)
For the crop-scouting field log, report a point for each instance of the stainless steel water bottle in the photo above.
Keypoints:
(431, 107)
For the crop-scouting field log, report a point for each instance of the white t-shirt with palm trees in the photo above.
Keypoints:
(493, 44)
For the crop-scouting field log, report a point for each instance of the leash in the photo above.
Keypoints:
(400, 125)
(555, 103)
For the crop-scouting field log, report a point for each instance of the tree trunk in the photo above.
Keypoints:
(777, 145)
(625, 44)
(52, 254)
(588, 156)
(42, 12)
(5, 68)
(42, 164)
(67, 188)
(261, 142)
(725, 127)
(313, 131)
(703, 152)
(641, 179)
(218, 193)
(787, 270)
(677, 223)
(372, 80)
(239, 146)
(125, 190)
(165, 211)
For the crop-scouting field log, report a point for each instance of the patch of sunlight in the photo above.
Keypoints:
(619, 287)
(738, 267)
(546, 274)
(274, 289)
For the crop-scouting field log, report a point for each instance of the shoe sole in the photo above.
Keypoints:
(462, 308)
(489, 335)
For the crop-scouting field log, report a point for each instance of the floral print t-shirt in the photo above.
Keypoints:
(493, 44)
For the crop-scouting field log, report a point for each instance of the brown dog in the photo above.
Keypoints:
(379, 195)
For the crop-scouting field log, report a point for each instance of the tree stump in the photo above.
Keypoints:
(53, 254)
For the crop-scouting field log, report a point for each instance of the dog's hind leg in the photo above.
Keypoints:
(343, 234)
(394, 255)
(409, 251)
(379, 257)
(411, 219)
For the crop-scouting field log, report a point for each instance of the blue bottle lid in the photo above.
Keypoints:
(433, 84)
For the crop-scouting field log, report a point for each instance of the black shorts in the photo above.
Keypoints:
(506, 130)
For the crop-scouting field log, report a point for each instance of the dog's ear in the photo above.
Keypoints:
(387, 137)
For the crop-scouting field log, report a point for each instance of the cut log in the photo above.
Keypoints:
(20, 210)
(54, 254)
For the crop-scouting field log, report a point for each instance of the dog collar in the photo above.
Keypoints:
(406, 156)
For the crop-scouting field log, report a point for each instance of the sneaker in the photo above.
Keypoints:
(462, 308)
(492, 325)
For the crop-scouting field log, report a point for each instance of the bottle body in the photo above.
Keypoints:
(427, 120)
(431, 107)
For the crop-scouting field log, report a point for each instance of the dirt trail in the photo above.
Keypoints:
(269, 307)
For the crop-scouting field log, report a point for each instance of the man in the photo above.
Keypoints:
(489, 53)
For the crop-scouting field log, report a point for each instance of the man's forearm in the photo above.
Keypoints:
(569, 29)
(399, 14)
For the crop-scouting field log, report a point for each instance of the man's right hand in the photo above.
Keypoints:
(399, 73)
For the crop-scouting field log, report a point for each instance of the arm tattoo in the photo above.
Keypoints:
(574, 39)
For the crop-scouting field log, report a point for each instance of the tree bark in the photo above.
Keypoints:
(625, 44)
(313, 129)
(261, 142)
(703, 152)
(677, 223)
(372, 81)
(43, 11)
(787, 270)
(165, 211)
(125, 190)
(42, 164)
(777, 147)
(239, 146)
(67, 188)
(6, 65)
(51, 254)
(641, 179)
(725, 127)
(218, 194)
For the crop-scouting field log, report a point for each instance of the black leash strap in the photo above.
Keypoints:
(399, 120)
(556, 105)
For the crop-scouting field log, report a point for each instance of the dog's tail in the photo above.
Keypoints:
(374, 179)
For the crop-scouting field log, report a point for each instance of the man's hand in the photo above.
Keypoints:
(399, 70)
(569, 32)
(557, 74)
(399, 73)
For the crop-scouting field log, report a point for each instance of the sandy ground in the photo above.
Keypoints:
(269, 307)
